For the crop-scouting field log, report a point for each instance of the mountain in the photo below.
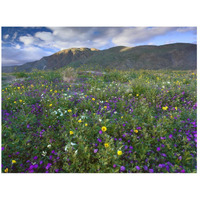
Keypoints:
(177, 56)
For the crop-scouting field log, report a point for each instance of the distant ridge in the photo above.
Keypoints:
(177, 56)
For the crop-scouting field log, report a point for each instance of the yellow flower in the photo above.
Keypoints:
(86, 124)
(79, 121)
(136, 131)
(106, 145)
(85, 95)
(122, 117)
(55, 91)
(18, 88)
(50, 105)
(32, 85)
(69, 110)
(51, 90)
(104, 129)
(15, 102)
(105, 107)
(14, 161)
(176, 108)
(93, 99)
(165, 108)
(71, 132)
(20, 100)
(6, 170)
(119, 153)
(137, 95)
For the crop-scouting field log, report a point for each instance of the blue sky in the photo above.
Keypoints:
(26, 44)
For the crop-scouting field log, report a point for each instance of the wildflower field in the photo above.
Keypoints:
(117, 121)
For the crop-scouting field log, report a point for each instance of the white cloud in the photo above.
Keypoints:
(95, 37)
(186, 29)
(6, 36)
(14, 36)
(17, 56)
(27, 40)
(131, 36)
(18, 46)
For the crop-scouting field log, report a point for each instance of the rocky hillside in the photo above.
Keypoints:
(178, 56)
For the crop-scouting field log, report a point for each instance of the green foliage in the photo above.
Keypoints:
(54, 126)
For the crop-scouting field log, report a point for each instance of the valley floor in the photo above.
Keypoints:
(118, 121)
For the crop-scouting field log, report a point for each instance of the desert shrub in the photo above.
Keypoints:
(69, 74)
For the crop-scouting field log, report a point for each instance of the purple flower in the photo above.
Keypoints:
(36, 166)
(137, 167)
(122, 168)
(41, 162)
(114, 166)
(182, 171)
(160, 165)
(48, 165)
(151, 171)
(163, 154)
(56, 170)
(170, 136)
(158, 149)
(99, 140)
(95, 150)
(100, 132)
(31, 167)
(145, 167)
(139, 128)
(180, 157)
(130, 147)
(2, 148)
(35, 157)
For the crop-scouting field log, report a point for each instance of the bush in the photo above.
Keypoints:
(69, 74)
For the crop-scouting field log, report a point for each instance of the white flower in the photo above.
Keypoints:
(66, 148)
(100, 120)
(76, 151)
(44, 153)
(73, 143)
(49, 146)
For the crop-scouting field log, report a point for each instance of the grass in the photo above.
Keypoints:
(49, 125)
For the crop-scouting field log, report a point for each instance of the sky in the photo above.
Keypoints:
(26, 44)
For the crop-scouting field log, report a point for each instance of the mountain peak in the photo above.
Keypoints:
(75, 50)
